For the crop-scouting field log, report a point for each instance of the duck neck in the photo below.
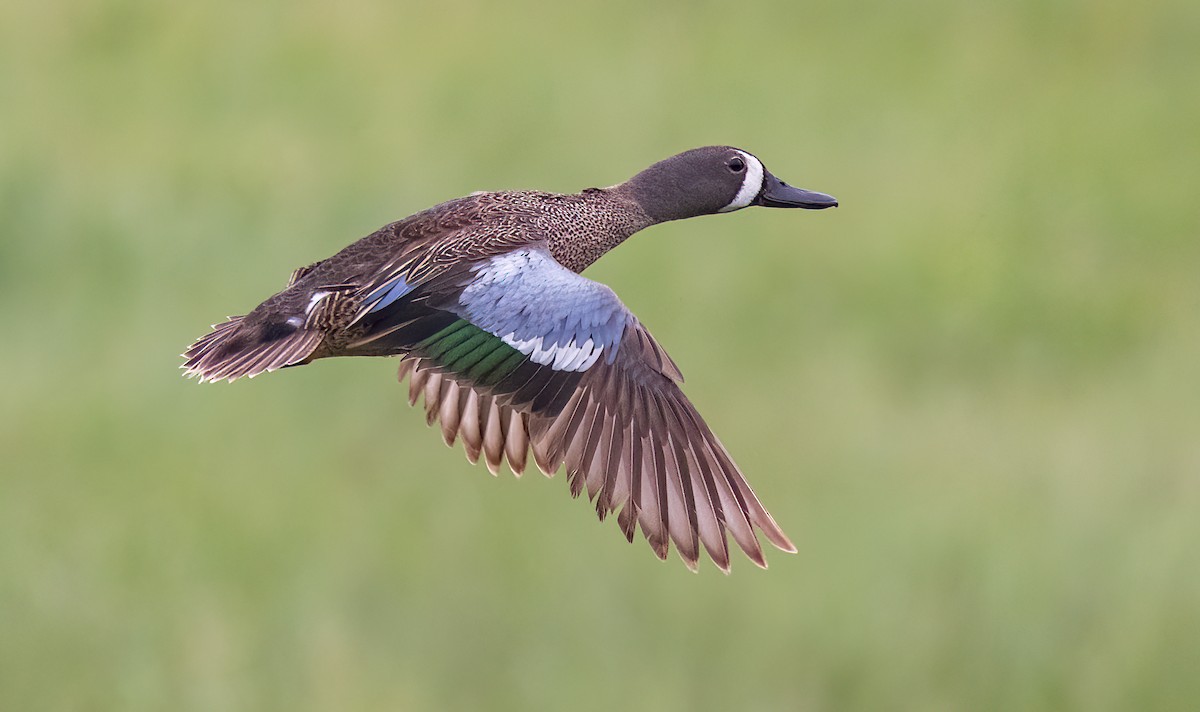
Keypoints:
(600, 219)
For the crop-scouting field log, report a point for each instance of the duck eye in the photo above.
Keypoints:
(736, 165)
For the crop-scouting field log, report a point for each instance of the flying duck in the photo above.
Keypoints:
(513, 350)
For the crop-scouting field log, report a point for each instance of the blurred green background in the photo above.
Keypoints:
(970, 394)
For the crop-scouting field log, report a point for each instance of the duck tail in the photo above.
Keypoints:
(234, 349)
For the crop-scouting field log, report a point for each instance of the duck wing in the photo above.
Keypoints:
(514, 351)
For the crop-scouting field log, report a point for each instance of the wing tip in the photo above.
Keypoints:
(774, 534)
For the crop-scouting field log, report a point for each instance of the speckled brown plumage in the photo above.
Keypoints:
(513, 353)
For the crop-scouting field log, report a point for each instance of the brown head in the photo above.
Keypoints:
(715, 179)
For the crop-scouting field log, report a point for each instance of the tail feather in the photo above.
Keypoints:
(231, 351)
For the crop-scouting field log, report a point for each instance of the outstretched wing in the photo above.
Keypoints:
(516, 351)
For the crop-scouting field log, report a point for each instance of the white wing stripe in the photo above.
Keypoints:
(565, 357)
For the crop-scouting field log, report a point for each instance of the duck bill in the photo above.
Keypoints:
(777, 194)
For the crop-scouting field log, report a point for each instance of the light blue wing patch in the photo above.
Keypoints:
(545, 311)
(388, 293)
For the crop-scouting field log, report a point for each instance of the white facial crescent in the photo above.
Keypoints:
(751, 184)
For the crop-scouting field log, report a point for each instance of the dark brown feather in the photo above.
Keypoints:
(516, 442)
(449, 414)
(493, 437)
(239, 349)
(627, 435)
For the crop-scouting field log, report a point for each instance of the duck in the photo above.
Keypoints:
(514, 352)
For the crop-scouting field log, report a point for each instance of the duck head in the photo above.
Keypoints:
(715, 179)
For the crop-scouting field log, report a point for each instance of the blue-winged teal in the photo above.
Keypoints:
(512, 349)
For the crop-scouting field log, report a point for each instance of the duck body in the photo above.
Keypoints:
(515, 352)
(575, 229)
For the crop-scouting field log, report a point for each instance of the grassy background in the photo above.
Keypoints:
(970, 395)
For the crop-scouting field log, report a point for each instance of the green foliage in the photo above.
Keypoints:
(969, 395)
